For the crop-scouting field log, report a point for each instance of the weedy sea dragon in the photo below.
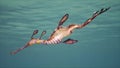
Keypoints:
(60, 32)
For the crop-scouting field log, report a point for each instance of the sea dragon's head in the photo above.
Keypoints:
(36, 40)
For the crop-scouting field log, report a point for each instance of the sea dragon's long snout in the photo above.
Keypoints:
(18, 50)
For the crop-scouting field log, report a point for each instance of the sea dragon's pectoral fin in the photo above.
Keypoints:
(70, 41)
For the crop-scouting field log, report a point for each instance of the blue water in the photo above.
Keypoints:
(99, 42)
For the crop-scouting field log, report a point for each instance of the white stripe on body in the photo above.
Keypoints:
(55, 40)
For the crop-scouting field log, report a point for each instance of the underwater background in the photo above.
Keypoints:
(99, 41)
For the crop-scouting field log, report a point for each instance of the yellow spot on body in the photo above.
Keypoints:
(38, 41)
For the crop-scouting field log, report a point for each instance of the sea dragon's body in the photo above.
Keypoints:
(57, 36)
(60, 32)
